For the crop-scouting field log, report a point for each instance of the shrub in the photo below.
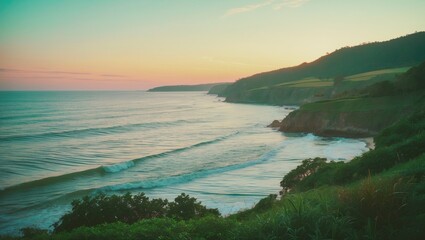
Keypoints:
(265, 203)
(185, 207)
(100, 209)
(295, 176)
(213, 228)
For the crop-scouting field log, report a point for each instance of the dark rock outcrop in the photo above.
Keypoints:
(275, 124)
(344, 124)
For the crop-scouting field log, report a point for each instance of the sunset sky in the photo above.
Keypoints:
(132, 45)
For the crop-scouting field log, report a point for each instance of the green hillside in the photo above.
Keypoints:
(354, 66)
(363, 112)
(312, 89)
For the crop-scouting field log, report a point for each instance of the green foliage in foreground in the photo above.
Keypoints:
(380, 207)
(101, 209)
(379, 195)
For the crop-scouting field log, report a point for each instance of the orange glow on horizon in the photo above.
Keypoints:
(142, 44)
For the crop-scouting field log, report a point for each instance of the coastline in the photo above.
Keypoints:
(272, 163)
(370, 143)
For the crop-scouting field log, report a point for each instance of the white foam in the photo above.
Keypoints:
(344, 149)
(163, 182)
(118, 167)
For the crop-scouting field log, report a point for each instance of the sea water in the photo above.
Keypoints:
(60, 146)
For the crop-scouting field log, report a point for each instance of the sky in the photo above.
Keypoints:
(139, 44)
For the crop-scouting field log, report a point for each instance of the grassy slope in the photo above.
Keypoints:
(312, 88)
(319, 82)
(397, 53)
(373, 74)
(382, 196)
(364, 104)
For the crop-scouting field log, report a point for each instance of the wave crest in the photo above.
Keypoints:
(114, 168)
(183, 178)
(128, 164)
(118, 167)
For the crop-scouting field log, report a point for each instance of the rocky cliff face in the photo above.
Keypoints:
(340, 124)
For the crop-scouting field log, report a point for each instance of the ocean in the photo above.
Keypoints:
(60, 146)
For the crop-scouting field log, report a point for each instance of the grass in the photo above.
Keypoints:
(369, 75)
(311, 89)
(362, 104)
(313, 82)
(303, 83)
(306, 82)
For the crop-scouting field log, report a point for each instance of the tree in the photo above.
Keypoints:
(185, 207)
(308, 167)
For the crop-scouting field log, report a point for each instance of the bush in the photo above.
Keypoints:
(325, 175)
(101, 209)
(265, 203)
(185, 207)
(295, 176)
(213, 228)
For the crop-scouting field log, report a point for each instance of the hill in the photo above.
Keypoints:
(186, 88)
(365, 112)
(328, 71)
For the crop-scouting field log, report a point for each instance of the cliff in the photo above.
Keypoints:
(344, 124)
(354, 117)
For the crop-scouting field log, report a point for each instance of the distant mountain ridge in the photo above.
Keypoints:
(186, 88)
(404, 51)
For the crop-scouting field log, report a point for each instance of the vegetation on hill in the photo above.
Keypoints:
(346, 63)
(363, 112)
(379, 195)
(186, 88)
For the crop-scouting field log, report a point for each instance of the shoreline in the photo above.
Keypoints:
(370, 143)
